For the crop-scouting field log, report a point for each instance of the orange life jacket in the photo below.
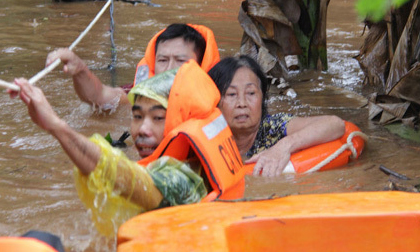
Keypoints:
(146, 67)
(24, 244)
(193, 121)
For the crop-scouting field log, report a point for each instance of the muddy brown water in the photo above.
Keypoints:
(36, 183)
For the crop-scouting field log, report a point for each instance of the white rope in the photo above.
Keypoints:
(8, 85)
(57, 62)
(349, 145)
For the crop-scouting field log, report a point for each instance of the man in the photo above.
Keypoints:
(168, 49)
(125, 188)
(103, 170)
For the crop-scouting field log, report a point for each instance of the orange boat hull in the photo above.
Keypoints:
(361, 221)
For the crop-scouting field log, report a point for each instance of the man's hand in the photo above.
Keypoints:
(39, 109)
(13, 94)
(86, 84)
(72, 63)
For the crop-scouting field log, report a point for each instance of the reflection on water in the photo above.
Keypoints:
(36, 184)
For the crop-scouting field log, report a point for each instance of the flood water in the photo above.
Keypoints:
(36, 183)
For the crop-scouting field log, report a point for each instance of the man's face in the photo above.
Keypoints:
(173, 53)
(147, 125)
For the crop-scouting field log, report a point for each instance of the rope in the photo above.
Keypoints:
(8, 85)
(349, 145)
(57, 62)
(111, 66)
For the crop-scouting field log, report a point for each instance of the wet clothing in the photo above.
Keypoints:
(176, 181)
(192, 119)
(271, 130)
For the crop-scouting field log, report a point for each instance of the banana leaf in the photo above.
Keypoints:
(265, 38)
(408, 87)
(374, 110)
(290, 8)
(387, 118)
(267, 9)
(416, 55)
(266, 60)
(374, 58)
(249, 27)
(400, 64)
(396, 109)
(388, 109)
(270, 34)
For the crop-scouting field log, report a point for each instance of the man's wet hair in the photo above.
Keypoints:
(186, 32)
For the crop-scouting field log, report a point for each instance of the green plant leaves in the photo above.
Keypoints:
(375, 10)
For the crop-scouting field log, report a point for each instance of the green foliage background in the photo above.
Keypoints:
(375, 10)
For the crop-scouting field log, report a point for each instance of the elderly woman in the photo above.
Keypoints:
(268, 140)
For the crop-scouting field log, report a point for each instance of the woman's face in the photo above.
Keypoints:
(242, 104)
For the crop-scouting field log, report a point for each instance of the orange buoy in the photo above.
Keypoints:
(329, 155)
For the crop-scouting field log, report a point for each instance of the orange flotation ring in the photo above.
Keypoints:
(358, 221)
(329, 155)
(24, 244)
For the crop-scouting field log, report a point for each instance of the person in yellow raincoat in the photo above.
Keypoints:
(112, 186)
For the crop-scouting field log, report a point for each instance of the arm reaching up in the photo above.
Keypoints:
(104, 174)
(86, 154)
(86, 84)
(81, 151)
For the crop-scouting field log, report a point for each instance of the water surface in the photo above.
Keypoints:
(36, 184)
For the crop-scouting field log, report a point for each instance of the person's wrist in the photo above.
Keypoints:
(57, 127)
(81, 69)
(288, 143)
